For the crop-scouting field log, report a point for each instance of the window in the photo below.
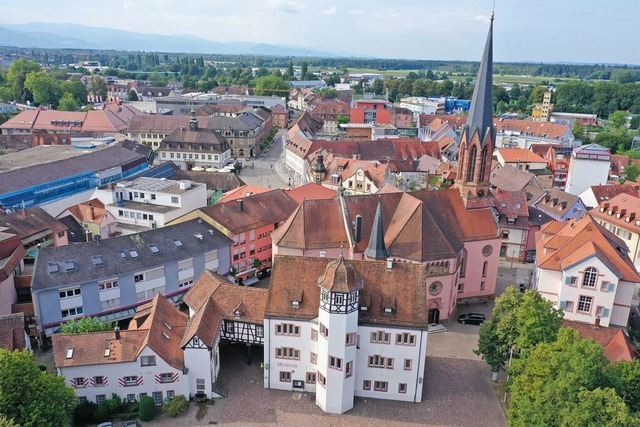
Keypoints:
(68, 293)
(313, 358)
(200, 385)
(79, 382)
(462, 267)
(335, 363)
(138, 277)
(377, 361)
(484, 268)
(131, 397)
(131, 380)
(322, 380)
(349, 369)
(101, 398)
(157, 398)
(381, 337)
(153, 196)
(311, 377)
(147, 360)
(460, 288)
(590, 276)
(71, 312)
(407, 364)
(380, 385)
(82, 399)
(141, 395)
(573, 281)
(288, 329)
(366, 385)
(171, 394)
(584, 304)
(285, 377)
(483, 285)
(324, 331)
(174, 200)
(505, 234)
(99, 381)
(568, 306)
(107, 285)
(402, 388)
(287, 353)
(405, 339)
(599, 311)
(604, 286)
(166, 377)
(314, 335)
(351, 339)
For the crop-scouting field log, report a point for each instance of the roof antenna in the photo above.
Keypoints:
(493, 11)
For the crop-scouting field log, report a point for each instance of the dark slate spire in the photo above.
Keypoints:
(481, 110)
(193, 123)
(376, 248)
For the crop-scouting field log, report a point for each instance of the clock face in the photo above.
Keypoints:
(487, 250)
(435, 288)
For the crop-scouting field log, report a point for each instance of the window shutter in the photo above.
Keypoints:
(563, 305)
(612, 287)
(567, 280)
(605, 312)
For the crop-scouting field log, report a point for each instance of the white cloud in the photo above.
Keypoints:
(289, 6)
(331, 10)
(129, 5)
(482, 18)
(355, 12)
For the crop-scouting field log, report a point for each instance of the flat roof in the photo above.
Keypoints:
(41, 155)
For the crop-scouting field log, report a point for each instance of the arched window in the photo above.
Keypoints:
(473, 154)
(590, 276)
(483, 163)
(484, 268)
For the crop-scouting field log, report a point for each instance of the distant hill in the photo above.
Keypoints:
(60, 36)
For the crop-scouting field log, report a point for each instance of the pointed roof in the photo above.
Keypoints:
(481, 112)
(377, 248)
(340, 276)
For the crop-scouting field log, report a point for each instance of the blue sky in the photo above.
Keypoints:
(525, 30)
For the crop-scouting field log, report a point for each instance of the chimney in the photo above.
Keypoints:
(24, 212)
(91, 211)
(240, 204)
(358, 228)
(117, 332)
(389, 264)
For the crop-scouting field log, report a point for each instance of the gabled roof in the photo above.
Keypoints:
(511, 203)
(622, 210)
(90, 211)
(617, 346)
(400, 289)
(12, 332)
(560, 245)
(213, 299)
(157, 325)
(311, 191)
(29, 222)
(553, 201)
(509, 178)
(521, 155)
(255, 211)
(242, 192)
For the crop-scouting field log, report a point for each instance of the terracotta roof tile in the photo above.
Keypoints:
(617, 346)
(311, 191)
(90, 211)
(512, 155)
(12, 332)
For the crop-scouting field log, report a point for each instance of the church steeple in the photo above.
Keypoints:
(481, 111)
(193, 123)
(477, 139)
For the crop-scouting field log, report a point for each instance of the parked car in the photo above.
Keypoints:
(107, 424)
(472, 318)
(130, 423)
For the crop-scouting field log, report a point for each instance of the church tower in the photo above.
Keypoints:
(193, 123)
(478, 136)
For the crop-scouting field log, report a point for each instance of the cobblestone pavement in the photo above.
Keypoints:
(457, 392)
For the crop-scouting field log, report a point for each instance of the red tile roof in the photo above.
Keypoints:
(513, 155)
(617, 346)
(89, 211)
(311, 191)
(12, 332)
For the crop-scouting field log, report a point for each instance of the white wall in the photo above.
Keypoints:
(584, 173)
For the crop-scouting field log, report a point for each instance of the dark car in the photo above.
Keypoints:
(472, 318)
(132, 423)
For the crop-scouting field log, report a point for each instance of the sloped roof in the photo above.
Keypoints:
(12, 332)
(512, 155)
(625, 205)
(560, 245)
(257, 210)
(33, 220)
(603, 193)
(242, 192)
(311, 191)
(400, 289)
(158, 325)
(511, 203)
(509, 178)
(90, 211)
(617, 346)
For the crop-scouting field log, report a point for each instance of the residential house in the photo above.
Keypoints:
(249, 222)
(94, 218)
(36, 229)
(514, 223)
(616, 344)
(296, 145)
(621, 216)
(280, 116)
(328, 112)
(590, 165)
(152, 129)
(343, 328)
(555, 203)
(520, 158)
(353, 175)
(13, 335)
(370, 109)
(586, 271)
(143, 360)
(195, 147)
(402, 118)
(597, 194)
(244, 132)
(109, 279)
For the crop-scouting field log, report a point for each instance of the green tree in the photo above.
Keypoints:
(85, 325)
(304, 70)
(537, 94)
(290, 71)
(624, 76)
(634, 123)
(271, 86)
(632, 172)
(545, 385)
(518, 323)
(579, 130)
(132, 95)
(17, 74)
(147, 408)
(618, 119)
(98, 86)
(43, 87)
(617, 140)
(7, 422)
(342, 119)
(624, 377)
(67, 103)
(599, 407)
(76, 88)
(30, 397)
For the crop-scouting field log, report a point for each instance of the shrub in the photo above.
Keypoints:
(147, 408)
(84, 413)
(114, 404)
(101, 414)
(177, 406)
(43, 368)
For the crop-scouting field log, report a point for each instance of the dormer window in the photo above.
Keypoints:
(236, 313)
(389, 311)
(295, 304)
(364, 308)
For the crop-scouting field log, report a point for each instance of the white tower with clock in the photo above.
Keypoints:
(337, 334)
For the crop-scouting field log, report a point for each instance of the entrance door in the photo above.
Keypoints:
(503, 251)
(434, 315)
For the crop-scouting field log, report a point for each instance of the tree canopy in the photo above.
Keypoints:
(30, 397)
(271, 85)
(84, 325)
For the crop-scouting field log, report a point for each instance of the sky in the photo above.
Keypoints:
(581, 31)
